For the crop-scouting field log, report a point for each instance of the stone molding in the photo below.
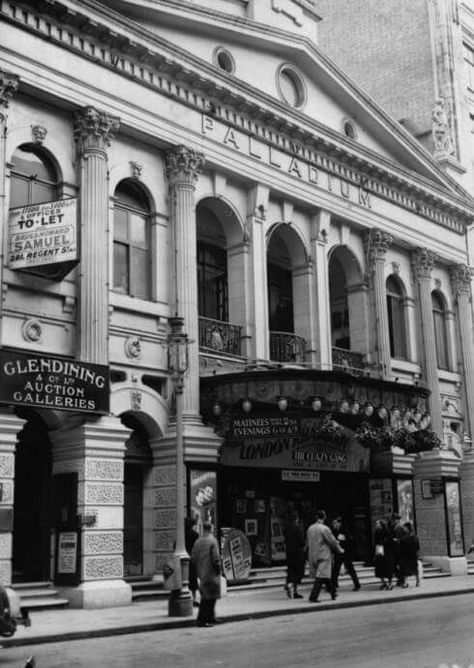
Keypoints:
(183, 166)
(93, 129)
(160, 72)
(461, 277)
(422, 262)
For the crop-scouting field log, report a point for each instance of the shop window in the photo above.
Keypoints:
(131, 241)
(212, 282)
(396, 318)
(441, 339)
(33, 178)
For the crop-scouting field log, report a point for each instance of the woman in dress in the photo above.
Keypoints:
(409, 548)
(295, 555)
(383, 554)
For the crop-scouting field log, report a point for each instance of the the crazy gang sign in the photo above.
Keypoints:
(28, 379)
(43, 234)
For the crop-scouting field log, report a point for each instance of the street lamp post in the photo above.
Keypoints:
(180, 603)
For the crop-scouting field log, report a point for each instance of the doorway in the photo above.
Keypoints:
(32, 504)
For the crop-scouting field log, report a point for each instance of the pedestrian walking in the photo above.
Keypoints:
(295, 555)
(321, 544)
(345, 541)
(190, 537)
(205, 556)
(409, 548)
(396, 530)
(383, 554)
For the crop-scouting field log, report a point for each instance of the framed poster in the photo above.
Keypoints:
(251, 527)
(453, 518)
(405, 500)
(203, 496)
(426, 492)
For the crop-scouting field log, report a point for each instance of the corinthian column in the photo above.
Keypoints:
(8, 86)
(93, 130)
(182, 168)
(461, 285)
(422, 264)
(376, 245)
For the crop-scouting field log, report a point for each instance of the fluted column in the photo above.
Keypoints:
(93, 130)
(320, 225)
(461, 285)
(182, 168)
(376, 244)
(422, 264)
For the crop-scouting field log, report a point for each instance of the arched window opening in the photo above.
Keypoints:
(132, 265)
(33, 178)
(340, 329)
(441, 339)
(213, 298)
(280, 287)
(396, 318)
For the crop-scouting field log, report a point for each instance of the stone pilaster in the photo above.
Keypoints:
(93, 131)
(461, 276)
(423, 261)
(304, 307)
(320, 225)
(376, 244)
(10, 426)
(95, 451)
(431, 512)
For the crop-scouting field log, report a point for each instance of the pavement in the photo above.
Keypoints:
(73, 624)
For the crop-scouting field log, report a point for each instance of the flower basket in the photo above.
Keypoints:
(330, 431)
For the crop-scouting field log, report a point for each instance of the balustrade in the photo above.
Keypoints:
(219, 337)
(285, 347)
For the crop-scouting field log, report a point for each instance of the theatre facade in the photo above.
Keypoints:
(208, 161)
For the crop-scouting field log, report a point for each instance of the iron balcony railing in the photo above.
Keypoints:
(347, 360)
(220, 337)
(285, 347)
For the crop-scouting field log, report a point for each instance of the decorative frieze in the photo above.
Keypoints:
(107, 494)
(104, 469)
(94, 129)
(461, 277)
(103, 568)
(101, 542)
(7, 465)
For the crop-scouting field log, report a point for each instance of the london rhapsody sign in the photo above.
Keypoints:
(31, 380)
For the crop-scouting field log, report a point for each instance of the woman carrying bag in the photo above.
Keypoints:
(383, 554)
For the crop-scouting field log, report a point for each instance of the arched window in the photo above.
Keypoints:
(396, 318)
(441, 339)
(131, 241)
(33, 178)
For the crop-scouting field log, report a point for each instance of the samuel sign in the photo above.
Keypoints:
(43, 234)
(27, 379)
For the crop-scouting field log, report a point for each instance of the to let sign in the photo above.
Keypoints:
(27, 379)
(43, 234)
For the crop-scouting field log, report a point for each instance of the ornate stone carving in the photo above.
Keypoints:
(8, 86)
(183, 165)
(133, 347)
(110, 494)
(164, 496)
(376, 245)
(461, 276)
(422, 262)
(38, 133)
(136, 170)
(103, 568)
(135, 401)
(103, 542)
(396, 268)
(104, 469)
(94, 129)
(165, 518)
(6, 466)
(32, 330)
(164, 475)
(441, 130)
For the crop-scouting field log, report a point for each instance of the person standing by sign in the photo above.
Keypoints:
(205, 557)
(321, 544)
(190, 537)
(295, 555)
(341, 535)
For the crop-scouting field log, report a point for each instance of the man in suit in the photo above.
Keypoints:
(340, 534)
(321, 544)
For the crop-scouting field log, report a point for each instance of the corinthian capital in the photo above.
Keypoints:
(422, 262)
(376, 244)
(461, 276)
(94, 129)
(8, 85)
(183, 165)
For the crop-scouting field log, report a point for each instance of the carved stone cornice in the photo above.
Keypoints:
(183, 166)
(422, 262)
(94, 129)
(8, 85)
(461, 276)
(376, 244)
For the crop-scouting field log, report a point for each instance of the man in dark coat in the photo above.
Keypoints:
(190, 537)
(205, 556)
(341, 535)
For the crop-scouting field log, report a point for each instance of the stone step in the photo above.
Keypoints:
(39, 596)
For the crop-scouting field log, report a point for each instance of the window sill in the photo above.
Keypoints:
(136, 305)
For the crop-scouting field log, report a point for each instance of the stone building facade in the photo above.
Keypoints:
(316, 253)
